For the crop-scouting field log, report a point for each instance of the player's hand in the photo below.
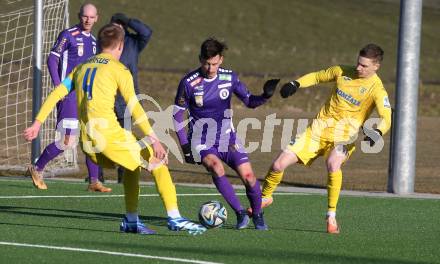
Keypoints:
(120, 19)
(269, 88)
(187, 153)
(159, 152)
(31, 132)
(289, 89)
(374, 136)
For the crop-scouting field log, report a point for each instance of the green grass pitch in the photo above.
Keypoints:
(66, 224)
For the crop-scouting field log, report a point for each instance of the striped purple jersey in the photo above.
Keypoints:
(73, 47)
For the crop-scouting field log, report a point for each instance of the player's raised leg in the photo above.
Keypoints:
(213, 164)
(275, 175)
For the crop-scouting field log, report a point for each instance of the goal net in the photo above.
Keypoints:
(16, 70)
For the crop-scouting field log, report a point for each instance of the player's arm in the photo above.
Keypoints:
(250, 100)
(143, 31)
(54, 97)
(383, 107)
(310, 79)
(181, 102)
(55, 54)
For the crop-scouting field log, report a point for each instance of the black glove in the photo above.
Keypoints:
(120, 19)
(289, 89)
(374, 137)
(187, 153)
(269, 88)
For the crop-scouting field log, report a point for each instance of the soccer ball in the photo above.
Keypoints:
(212, 214)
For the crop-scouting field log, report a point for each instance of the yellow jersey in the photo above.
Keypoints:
(351, 102)
(96, 83)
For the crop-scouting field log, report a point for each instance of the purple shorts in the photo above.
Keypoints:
(67, 115)
(233, 157)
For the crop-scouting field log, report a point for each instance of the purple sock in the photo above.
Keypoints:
(93, 169)
(227, 191)
(49, 153)
(254, 196)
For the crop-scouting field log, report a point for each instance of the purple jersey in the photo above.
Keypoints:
(73, 47)
(209, 104)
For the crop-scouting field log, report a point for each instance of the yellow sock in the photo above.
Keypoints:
(334, 184)
(273, 178)
(131, 189)
(165, 187)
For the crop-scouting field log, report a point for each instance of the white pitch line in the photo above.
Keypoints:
(120, 195)
(106, 252)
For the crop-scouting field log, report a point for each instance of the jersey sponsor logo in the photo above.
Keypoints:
(195, 82)
(386, 102)
(346, 78)
(79, 39)
(347, 97)
(225, 77)
(224, 85)
(60, 45)
(224, 94)
(199, 88)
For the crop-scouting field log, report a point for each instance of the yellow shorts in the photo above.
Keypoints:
(118, 147)
(307, 148)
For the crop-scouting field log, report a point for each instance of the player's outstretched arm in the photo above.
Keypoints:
(289, 89)
(56, 95)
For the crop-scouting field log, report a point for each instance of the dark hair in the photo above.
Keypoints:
(110, 36)
(211, 48)
(372, 51)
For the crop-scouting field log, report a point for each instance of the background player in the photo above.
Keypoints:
(73, 46)
(206, 93)
(357, 91)
(104, 141)
(134, 43)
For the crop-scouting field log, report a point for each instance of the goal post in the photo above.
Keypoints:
(22, 68)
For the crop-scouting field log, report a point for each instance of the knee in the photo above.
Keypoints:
(278, 166)
(249, 178)
(333, 166)
(215, 167)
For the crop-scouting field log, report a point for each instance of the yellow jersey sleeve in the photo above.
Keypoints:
(126, 88)
(383, 107)
(322, 76)
(54, 97)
